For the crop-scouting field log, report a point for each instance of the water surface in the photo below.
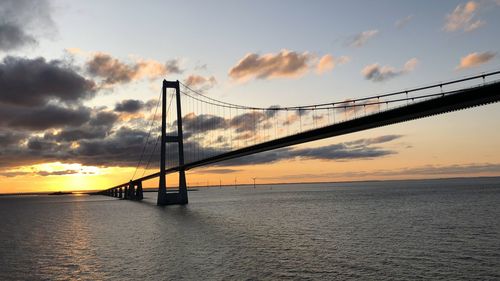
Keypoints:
(401, 230)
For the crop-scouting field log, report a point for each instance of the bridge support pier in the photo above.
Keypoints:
(138, 193)
(120, 192)
(131, 191)
(180, 197)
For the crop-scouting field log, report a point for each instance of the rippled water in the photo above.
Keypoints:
(406, 230)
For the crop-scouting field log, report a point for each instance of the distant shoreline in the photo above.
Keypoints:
(194, 187)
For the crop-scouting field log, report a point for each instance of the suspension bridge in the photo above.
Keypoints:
(213, 131)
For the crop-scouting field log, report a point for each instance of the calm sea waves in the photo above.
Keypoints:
(401, 230)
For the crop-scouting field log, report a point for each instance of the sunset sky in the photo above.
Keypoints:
(79, 81)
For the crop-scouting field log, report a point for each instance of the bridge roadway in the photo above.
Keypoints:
(450, 101)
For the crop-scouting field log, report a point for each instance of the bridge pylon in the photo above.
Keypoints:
(180, 197)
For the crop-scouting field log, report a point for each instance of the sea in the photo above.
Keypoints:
(446, 229)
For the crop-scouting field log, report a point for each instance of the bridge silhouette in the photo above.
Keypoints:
(217, 131)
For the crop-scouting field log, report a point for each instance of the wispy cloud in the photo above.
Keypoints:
(428, 171)
(378, 73)
(216, 171)
(463, 18)
(403, 22)
(475, 59)
(328, 62)
(200, 82)
(359, 40)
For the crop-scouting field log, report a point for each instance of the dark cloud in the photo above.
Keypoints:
(77, 135)
(376, 140)
(104, 118)
(20, 22)
(13, 37)
(41, 144)
(151, 104)
(42, 118)
(8, 138)
(173, 67)
(283, 64)
(216, 171)
(123, 148)
(202, 123)
(244, 124)
(41, 173)
(358, 149)
(35, 82)
(272, 111)
(10, 174)
(129, 106)
(56, 173)
(247, 121)
(99, 125)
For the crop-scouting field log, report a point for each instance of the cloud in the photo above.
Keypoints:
(12, 37)
(202, 123)
(20, 21)
(11, 174)
(110, 69)
(285, 64)
(359, 40)
(99, 125)
(129, 106)
(43, 173)
(325, 64)
(172, 67)
(403, 22)
(328, 62)
(378, 73)
(50, 117)
(56, 173)
(463, 18)
(475, 59)
(434, 170)
(429, 171)
(376, 140)
(34, 82)
(358, 149)
(43, 117)
(8, 138)
(247, 122)
(216, 171)
(113, 71)
(200, 82)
